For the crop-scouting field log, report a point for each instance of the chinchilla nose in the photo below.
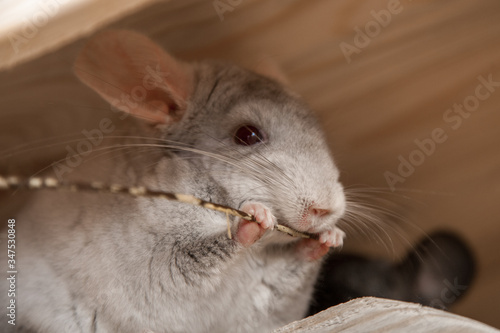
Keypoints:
(318, 211)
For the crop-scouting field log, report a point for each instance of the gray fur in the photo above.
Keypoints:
(108, 263)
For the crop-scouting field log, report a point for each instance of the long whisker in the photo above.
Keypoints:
(370, 215)
(259, 161)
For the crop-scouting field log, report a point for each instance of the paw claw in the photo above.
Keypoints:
(248, 235)
(332, 238)
(310, 249)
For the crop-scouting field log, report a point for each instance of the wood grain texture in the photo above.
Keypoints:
(395, 91)
(371, 314)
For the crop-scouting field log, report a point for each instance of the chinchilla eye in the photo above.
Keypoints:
(248, 135)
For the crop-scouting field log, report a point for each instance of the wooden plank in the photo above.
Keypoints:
(372, 314)
(29, 30)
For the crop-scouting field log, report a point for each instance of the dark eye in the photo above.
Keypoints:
(248, 135)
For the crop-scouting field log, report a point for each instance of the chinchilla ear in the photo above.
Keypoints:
(135, 75)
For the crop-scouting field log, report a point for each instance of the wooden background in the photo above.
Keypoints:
(394, 91)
